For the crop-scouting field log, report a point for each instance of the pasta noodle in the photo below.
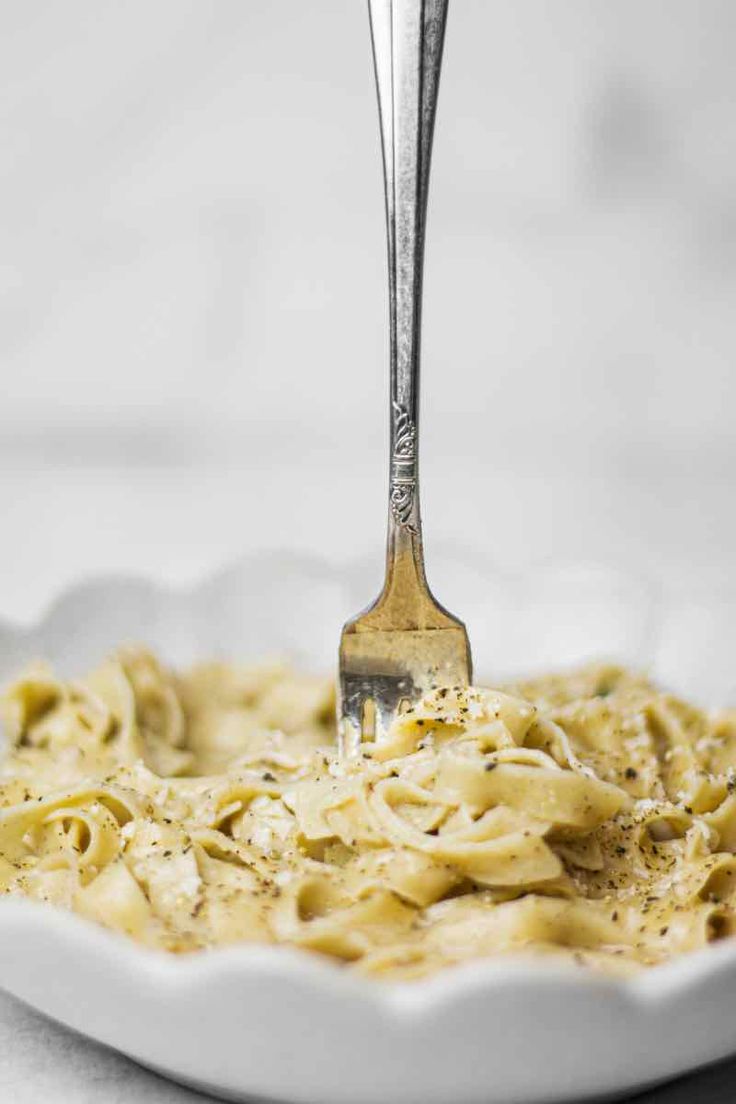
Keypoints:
(588, 816)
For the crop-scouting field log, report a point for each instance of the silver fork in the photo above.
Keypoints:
(405, 644)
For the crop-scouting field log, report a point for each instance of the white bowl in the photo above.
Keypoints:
(283, 1025)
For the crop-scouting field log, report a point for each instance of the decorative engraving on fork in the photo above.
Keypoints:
(403, 468)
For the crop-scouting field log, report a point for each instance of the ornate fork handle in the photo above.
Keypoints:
(407, 40)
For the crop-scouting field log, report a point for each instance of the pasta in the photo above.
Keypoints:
(588, 816)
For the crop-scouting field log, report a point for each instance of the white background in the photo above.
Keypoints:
(192, 286)
(193, 307)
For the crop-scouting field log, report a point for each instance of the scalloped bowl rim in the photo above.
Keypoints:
(399, 998)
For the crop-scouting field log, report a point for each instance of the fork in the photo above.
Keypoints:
(406, 643)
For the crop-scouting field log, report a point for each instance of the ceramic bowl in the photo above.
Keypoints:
(278, 1024)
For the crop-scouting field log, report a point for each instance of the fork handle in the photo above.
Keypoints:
(407, 37)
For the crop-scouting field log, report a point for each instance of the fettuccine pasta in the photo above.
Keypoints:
(586, 816)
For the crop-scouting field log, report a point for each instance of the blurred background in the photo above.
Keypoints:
(193, 309)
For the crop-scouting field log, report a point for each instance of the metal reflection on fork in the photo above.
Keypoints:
(406, 643)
